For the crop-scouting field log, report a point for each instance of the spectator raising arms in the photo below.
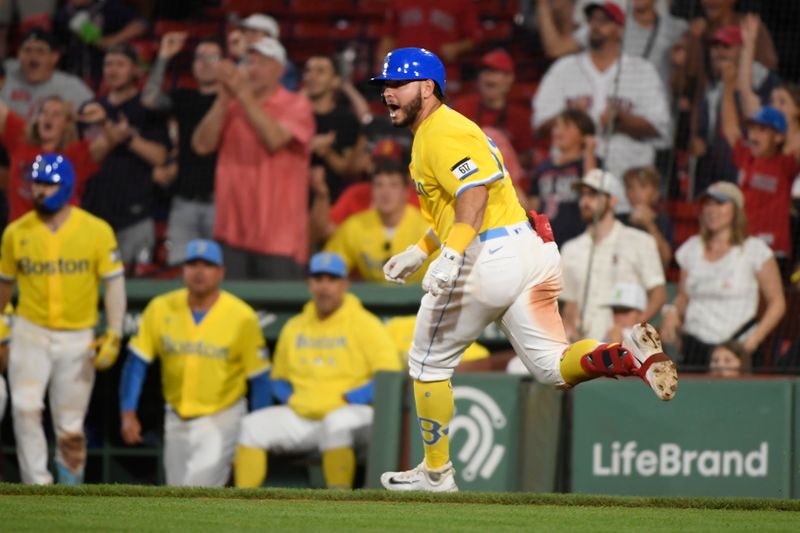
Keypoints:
(191, 215)
(52, 129)
(722, 273)
(263, 133)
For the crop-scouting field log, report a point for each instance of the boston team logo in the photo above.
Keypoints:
(479, 416)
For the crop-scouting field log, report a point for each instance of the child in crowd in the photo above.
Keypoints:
(627, 302)
(730, 360)
(643, 189)
(765, 174)
(551, 191)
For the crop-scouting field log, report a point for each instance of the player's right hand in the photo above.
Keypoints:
(402, 265)
(130, 429)
(106, 347)
(443, 272)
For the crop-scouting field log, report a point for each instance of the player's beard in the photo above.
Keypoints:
(38, 205)
(411, 111)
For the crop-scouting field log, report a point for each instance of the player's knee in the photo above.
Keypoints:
(340, 426)
(26, 399)
(73, 450)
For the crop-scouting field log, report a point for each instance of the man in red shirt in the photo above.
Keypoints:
(263, 133)
(489, 106)
(448, 28)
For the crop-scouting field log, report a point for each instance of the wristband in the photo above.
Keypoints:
(428, 244)
(460, 236)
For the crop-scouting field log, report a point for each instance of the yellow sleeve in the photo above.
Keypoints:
(8, 263)
(255, 356)
(338, 244)
(145, 342)
(280, 363)
(109, 260)
(379, 347)
(461, 160)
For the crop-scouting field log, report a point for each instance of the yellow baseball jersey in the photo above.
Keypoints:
(401, 329)
(324, 359)
(364, 243)
(5, 324)
(204, 367)
(58, 272)
(451, 154)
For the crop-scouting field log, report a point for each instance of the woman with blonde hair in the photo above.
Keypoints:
(53, 128)
(723, 272)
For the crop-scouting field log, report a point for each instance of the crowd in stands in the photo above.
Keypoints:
(251, 123)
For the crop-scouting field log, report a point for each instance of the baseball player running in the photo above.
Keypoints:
(493, 267)
(325, 361)
(210, 344)
(58, 255)
(5, 339)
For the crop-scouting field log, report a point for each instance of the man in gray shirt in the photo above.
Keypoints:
(33, 76)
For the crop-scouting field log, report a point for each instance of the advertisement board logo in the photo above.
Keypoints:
(479, 454)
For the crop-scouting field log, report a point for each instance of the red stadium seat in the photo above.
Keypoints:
(341, 30)
(326, 8)
(195, 29)
(494, 30)
(248, 7)
(372, 8)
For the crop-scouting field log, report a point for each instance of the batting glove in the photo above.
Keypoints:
(402, 265)
(442, 272)
(106, 349)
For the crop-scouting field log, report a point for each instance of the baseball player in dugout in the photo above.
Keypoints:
(325, 361)
(493, 266)
(58, 255)
(211, 346)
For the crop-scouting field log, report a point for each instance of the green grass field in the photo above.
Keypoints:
(133, 508)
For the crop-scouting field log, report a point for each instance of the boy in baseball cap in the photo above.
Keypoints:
(766, 173)
(627, 301)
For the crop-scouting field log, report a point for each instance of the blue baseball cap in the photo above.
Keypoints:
(327, 263)
(771, 118)
(205, 250)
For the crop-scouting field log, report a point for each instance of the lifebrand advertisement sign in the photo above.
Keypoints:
(716, 438)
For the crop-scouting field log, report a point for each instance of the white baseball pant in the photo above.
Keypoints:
(279, 429)
(199, 451)
(510, 276)
(3, 397)
(59, 361)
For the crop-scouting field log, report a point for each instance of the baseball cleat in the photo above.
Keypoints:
(654, 366)
(422, 478)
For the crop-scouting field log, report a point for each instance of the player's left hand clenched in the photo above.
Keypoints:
(106, 349)
(402, 265)
(442, 272)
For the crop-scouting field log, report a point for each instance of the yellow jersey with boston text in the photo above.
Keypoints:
(59, 272)
(450, 155)
(324, 359)
(205, 365)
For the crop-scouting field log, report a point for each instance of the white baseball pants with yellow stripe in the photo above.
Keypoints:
(511, 277)
(199, 451)
(279, 429)
(60, 363)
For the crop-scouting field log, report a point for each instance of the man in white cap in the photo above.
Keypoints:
(251, 30)
(627, 302)
(606, 253)
(262, 132)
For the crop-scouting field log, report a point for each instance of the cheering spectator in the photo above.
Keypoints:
(192, 212)
(642, 187)
(730, 360)
(121, 193)
(264, 134)
(715, 159)
(630, 105)
(490, 107)
(337, 140)
(556, 26)
(786, 99)
(552, 189)
(368, 239)
(448, 28)
(90, 27)
(52, 129)
(251, 30)
(616, 252)
(723, 270)
(33, 76)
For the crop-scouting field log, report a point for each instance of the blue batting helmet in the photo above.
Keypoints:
(54, 169)
(412, 64)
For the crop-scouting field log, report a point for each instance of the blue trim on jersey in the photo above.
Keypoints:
(260, 391)
(130, 384)
(438, 323)
(488, 180)
(281, 390)
(112, 275)
(361, 395)
(468, 174)
(198, 316)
